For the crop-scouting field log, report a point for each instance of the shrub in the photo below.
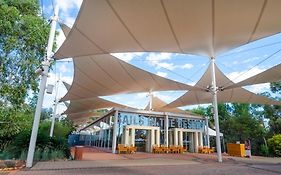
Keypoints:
(45, 154)
(274, 144)
(264, 150)
(37, 154)
(23, 155)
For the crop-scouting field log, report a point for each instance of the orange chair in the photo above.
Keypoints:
(132, 149)
(122, 148)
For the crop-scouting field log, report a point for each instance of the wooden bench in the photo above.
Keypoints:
(132, 149)
(122, 148)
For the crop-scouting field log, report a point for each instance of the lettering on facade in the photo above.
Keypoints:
(142, 120)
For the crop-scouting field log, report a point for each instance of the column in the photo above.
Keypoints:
(108, 138)
(166, 130)
(181, 138)
(215, 107)
(133, 134)
(191, 143)
(196, 142)
(152, 138)
(114, 136)
(200, 139)
(148, 141)
(207, 132)
(158, 137)
(176, 137)
(127, 136)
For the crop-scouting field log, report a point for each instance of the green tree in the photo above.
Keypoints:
(23, 38)
(12, 122)
(274, 144)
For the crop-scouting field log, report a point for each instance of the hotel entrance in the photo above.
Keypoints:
(190, 139)
(143, 137)
(141, 140)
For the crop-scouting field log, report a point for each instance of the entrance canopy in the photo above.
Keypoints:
(207, 27)
(236, 95)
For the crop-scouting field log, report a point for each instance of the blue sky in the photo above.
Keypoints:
(237, 64)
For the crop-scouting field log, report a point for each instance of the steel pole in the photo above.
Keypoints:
(55, 111)
(114, 136)
(150, 100)
(45, 66)
(215, 106)
(207, 132)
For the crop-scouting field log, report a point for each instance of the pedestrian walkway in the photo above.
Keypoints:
(102, 162)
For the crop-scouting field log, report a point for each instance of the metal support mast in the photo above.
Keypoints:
(55, 109)
(45, 68)
(207, 131)
(150, 100)
(215, 106)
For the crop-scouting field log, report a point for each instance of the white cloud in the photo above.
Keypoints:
(63, 68)
(259, 88)
(69, 21)
(187, 66)
(60, 38)
(165, 65)
(162, 74)
(239, 76)
(127, 56)
(158, 60)
(250, 59)
(66, 5)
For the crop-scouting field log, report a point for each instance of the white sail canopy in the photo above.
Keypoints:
(160, 105)
(90, 104)
(207, 27)
(271, 75)
(82, 117)
(237, 95)
(103, 75)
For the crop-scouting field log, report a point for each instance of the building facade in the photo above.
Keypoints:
(145, 129)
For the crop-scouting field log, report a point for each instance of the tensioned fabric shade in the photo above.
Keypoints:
(81, 110)
(160, 106)
(205, 27)
(82, 116)
(103, 75)
(90, 104)
(238, 95)
(271, 75)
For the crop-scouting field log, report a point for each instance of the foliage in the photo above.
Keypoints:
(13, 121)
(264, 150)
(23, 38)
(275, 87)
(274, 144)
(238, 124)
(44, 142)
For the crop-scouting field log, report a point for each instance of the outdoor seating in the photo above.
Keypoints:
(205, 150)
(132, 149)
(182, 149)
(156, 149)
(122, 148)
(126, 149)
(174, 149)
